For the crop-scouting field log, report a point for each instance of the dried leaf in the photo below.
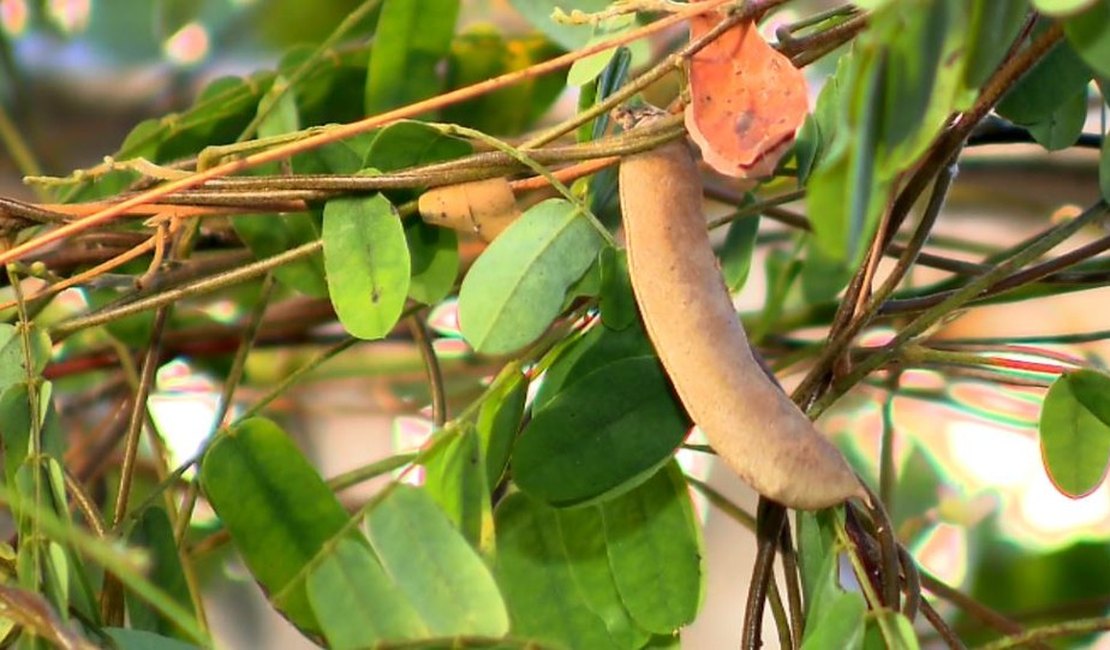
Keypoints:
(747, 100)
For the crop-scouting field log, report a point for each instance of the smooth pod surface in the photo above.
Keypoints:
(485, 207)
(754, 427)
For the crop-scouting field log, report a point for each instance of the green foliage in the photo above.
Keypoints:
(367, 261)
(276, 507)
(1075, 431)
(606, 431)
(411, 38)
(516, 289)
(551, 511)
(604, 575)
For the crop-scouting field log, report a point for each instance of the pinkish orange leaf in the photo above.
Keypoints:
(747, 100)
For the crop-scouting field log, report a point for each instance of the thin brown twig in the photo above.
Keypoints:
(434, 373)
(341, 132)
(973, 607)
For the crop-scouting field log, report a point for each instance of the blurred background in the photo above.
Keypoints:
(77, 75)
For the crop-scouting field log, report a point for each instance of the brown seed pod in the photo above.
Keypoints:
(484, 207)
(751, 423)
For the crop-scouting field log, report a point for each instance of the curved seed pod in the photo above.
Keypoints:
(484, 207)
(690, 319)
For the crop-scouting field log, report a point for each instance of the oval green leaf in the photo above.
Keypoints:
(1062, 7)
(434, 567)
(411, 37)
(435, 261)
(267, 235)
(656, 551)
(840, 626)
(408, 144)
(367, 262)
(992, 27)
(1062, 128)
(455, 478)
(128, 639)
(1089, 34)
(582, 531)
(1056, 78)
(569, 37)
(609, 429)
(13, 360)
(736, 257)
(499, 420)
(275, 505)
(356, 603)
(154, 532)
(617, 304)
(534, 570)
(597, 347)
(517, 287)
(1075, 441)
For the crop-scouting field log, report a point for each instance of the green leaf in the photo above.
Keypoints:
(611, 78)
(829, 117)
(598, 347)
(1075, 441)
(455, 478)
(887, 630)
(517, 287)
(127, 639)
(355, 601)
(1092, 389)
(1062, 128)
(582, 531)
(655, 550)
(736, 256)
(1055, 79)
(569, 37)
(367, 262)
(15, 426)
(13, 360)
(918, 489)
(346, 156)
(154, 532)
(279, 105)
(840, 626)
(914, 37)
(434, 567)
(270, 234)
(1089, 33)
(534, 570)
(1062, 7)
(818, 560)
(844, 190)
(992, 27)
(586, 69)
(278, 510)
(434, 254)
(411, 38)
(605, 432)
(822, 277)
(499, 420)
(408, 144)
(15, 413)
(617, 303)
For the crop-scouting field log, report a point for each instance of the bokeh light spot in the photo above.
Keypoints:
(188, 46)
(13, 16)
(71, 16)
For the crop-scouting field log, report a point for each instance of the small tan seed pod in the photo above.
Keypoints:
(484, 207)
(754, 427)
